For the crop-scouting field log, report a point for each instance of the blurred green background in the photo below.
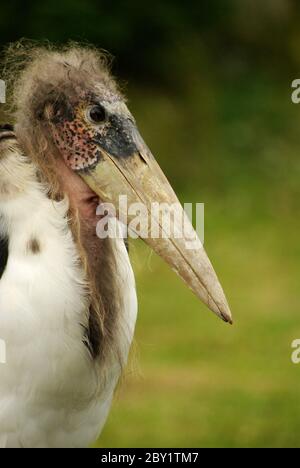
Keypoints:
(210, 85)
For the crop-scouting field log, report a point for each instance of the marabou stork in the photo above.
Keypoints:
(67, 297)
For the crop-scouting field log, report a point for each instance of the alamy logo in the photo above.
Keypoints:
(154, 221)
(296, 353)
(2, 92)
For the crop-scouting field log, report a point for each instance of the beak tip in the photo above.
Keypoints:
(217, 302)
(225, 314)
(227, 318)
(222, 311)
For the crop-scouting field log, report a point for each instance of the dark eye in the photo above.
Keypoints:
(96, 114)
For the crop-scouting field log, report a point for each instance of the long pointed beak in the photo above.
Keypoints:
(137, 175)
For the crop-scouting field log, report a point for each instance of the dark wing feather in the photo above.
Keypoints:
(3, 255)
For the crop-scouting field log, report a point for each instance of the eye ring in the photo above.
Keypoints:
(96, 114)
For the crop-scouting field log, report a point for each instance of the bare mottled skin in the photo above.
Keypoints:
(74, 139)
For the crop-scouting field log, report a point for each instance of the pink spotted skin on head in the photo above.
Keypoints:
(75, 142)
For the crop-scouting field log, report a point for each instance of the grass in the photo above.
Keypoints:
(200, 382)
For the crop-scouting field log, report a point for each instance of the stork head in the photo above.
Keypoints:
(72, 118)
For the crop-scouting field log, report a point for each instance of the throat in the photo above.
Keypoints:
(101, 268)
(98, 259)
(82, 199)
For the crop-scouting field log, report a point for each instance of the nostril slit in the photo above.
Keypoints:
(142, 158)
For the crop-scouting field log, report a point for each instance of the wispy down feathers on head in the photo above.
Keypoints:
(33, 70)
(40, 74)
